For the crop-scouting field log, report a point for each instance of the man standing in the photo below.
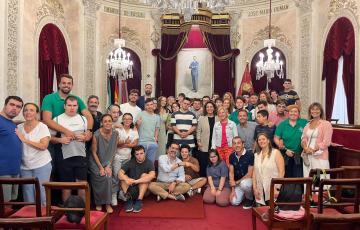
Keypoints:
(171, 176)
(246, 129)
(93, 105)
(194, 66)
(141, 101)
(197, 108)
(114, 111)
(10, 145)
(148, 124)
(131, 107)
(135, 176)
(184, 124)
(275, 118)
(240, 174)
(73, 165)
(290, 96)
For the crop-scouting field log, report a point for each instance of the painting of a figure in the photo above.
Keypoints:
(194, 72)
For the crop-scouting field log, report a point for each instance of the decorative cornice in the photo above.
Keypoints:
(304, 5)
(91, 7)
(12, 46)
(51, 8)
(337, 5)
(131, 35)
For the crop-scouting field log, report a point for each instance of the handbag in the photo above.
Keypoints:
(290, 193)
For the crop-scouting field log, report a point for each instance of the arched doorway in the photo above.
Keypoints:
(118, 91)
(276, 83)
(53, 58)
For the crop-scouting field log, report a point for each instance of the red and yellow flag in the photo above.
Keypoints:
(246, 84)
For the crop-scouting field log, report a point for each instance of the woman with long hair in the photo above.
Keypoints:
(163, 113)
(268, 164)
(316, 139)
(103, 150)
(204, 132)
(218, 190)
(36, 159)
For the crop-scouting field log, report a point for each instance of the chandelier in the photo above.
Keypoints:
(271, 66)
(119, 63)
(189, 7)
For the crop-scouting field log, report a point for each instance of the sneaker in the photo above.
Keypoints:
(180, 197)
(248, 204)
(137, 206)
(158, 198)
(190, 192)
(114, 201)
(122, 196)
(129, 206)
(198, 190)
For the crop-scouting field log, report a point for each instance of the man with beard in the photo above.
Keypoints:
(141, 101)
(10, 145)
(53, 106)
(131, 106)
(93, 105)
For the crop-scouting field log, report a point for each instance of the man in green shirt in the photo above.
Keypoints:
(53, 106)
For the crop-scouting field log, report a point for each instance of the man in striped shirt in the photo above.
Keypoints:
(184, 124)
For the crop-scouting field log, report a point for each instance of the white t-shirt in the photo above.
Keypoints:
(127, 108)
(76, 124)
(125, 153)
(33, 158)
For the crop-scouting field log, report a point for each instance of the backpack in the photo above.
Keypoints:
(74, 202)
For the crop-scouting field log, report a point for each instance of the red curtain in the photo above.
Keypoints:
(340, 42)
(171, 44)
(52, 55)
(276, 83)
(224, 60)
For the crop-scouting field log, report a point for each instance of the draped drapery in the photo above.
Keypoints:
(171, 44)
(223, 58)
(340, 42)
(276, 83)
(53, 55)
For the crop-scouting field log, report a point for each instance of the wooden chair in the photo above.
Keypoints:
(27, 223)
(271, 220)
(29, 209)
(330, 213)
(92, 219)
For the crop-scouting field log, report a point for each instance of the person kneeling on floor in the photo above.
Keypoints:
(171, 176)
(240, 174)
(135, 176)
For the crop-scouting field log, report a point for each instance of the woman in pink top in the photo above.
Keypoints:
(316, 139)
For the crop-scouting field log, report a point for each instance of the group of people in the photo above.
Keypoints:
(230, 147)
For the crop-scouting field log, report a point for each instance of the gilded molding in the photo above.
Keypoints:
(12, 46)
(51, 8)
(337, 5)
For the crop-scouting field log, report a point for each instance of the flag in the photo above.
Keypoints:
(246, 84)
(109, 90)
(55, 83)
(116, 93)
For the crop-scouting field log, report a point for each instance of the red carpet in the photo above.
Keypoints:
(191, 208)
(215, 218)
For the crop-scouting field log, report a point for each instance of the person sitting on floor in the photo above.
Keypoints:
(192, 168)
(171, 176)
(135, 176)
(241, 169)
(218, 189)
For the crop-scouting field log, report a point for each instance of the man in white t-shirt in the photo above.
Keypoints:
(73, 166)
(131, 106)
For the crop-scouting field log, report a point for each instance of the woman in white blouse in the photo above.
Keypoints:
(36, 159)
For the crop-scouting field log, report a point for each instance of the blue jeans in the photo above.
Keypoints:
(241, 190)
(43, 174)
(150, 150)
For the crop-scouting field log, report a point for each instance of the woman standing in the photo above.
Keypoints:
(228, 105)
(103, 150)
(36, 159)
(288, 139)
(204, 132)
(224, 131)
(316, 139)
(218, 190)
(163, 113)
(268, 164)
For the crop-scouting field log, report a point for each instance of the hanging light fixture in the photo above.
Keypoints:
(271, 66)
(119, 63)
(189, 7)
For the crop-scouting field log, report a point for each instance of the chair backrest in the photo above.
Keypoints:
(20, 181)
(351, 171)
(334, 173)
(305, 202)
(340, 203)
(68, 185)
(46, 222)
